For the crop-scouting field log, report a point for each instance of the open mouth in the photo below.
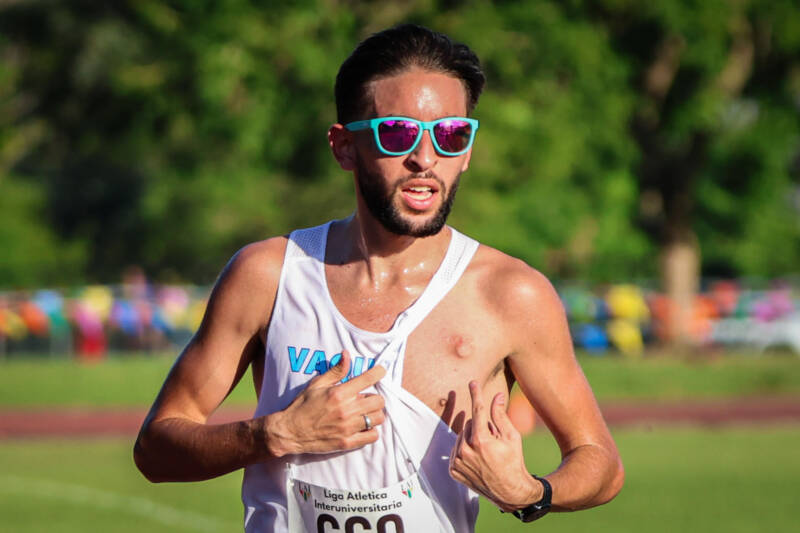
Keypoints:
(419, 197)
(419, 193)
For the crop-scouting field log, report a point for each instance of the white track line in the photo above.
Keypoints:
(91, 497)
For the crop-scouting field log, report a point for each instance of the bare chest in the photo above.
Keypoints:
(461, 339)
(455, 344)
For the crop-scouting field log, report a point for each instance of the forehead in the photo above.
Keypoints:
(420, 94)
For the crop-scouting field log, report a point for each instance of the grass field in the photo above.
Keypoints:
(135, 380)
(733, 479)
(727, 481)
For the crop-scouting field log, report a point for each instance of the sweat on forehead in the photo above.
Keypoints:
(414, 91)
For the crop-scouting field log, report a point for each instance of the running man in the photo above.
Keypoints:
(384, 345)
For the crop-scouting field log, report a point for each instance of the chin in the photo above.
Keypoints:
(414, 227)
(397, 217)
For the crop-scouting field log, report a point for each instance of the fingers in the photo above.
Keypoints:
(357, 434)
(370, 405)
(338, 372)
(488, 453)
(461, 457)
(330, 415)
(376, 418)
(480, 419)
(454, 453)
(365, 380)
(359, 439)
(367, 403)
(350, 409)
(466, 435)
(334, 374)
(455, 473)
(461, 449)
(500, 416)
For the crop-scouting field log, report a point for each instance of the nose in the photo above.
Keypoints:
(424, 155)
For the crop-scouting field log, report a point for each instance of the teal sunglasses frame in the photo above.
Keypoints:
(374, 123)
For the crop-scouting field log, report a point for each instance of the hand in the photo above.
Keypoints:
(488, 456)
(328, 415)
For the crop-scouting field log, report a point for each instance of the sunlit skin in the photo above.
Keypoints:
(387, 272)
(502, 321)
(369, 257)
(487, 330)
(423, 178)
(375, 274)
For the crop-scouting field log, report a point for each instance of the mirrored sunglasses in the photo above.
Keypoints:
(451, 136)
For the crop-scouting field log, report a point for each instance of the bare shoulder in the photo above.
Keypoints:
(511, 287)
(258, 263)
(530, 314)
(249, 281)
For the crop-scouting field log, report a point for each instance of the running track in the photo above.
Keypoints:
(39, 423)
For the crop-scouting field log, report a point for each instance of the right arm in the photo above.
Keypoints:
(176, 443)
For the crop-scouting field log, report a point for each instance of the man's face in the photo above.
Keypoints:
(411, 194)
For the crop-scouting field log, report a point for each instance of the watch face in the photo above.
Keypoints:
(533, 513)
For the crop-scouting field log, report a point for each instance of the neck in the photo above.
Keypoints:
(361, 241)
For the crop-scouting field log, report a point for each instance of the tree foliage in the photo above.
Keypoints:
(169, 134)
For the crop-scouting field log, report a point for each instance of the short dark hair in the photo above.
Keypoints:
(396, 50)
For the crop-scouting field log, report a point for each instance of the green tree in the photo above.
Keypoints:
(716, 124)
(169, 134)
(552, 177)
(30, 252)
(613, 132)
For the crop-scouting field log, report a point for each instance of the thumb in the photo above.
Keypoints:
(500, 416)
(335, 373)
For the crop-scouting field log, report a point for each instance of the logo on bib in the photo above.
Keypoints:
(318, 361)
(407, 489)
(305, 491)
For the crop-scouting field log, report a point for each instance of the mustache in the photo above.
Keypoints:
(427, 175)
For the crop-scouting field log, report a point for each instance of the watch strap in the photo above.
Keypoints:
(547, 497)
(538, 509)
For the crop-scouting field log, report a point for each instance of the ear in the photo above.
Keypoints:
(341, 142)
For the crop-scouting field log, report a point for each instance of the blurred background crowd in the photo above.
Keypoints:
(136, 316)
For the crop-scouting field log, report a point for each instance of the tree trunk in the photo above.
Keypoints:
(680, 268)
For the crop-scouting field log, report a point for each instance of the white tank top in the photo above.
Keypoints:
(306, 335)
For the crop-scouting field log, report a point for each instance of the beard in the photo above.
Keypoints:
(379, 201)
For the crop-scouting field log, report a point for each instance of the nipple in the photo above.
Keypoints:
(463, 347)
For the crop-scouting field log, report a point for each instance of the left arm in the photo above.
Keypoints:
(488, 454)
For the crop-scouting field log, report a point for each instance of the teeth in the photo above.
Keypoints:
(420, 189)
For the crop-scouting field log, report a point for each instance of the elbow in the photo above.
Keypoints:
(143, 458)
(615, 484)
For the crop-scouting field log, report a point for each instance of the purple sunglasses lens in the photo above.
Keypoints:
(453, 135)
(397, 135)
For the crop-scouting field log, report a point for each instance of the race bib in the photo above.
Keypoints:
(395, 509)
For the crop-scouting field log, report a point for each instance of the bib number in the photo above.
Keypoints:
(327, 523)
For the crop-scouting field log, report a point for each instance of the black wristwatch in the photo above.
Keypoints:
(537, 510)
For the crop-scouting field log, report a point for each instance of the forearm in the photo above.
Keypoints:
(179, 449)
(588, 476)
